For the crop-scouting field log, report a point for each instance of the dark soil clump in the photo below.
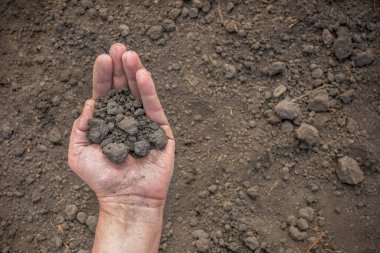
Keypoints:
(121, 127)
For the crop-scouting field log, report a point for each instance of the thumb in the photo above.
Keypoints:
(88, 111)
(80, 127)
(78, 139)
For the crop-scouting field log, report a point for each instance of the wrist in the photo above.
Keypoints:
(126, 227)
(132, 209)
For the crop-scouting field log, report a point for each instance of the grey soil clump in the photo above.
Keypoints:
(308, 135)
(287, 110)
(349, 171)
(121, 127)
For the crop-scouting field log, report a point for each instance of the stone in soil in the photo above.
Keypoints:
(287, 110)
(308, 135)
(348, 171)
(121, 127)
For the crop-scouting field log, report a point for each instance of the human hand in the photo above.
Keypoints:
(131, 194)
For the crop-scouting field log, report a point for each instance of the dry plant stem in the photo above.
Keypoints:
(311, 92)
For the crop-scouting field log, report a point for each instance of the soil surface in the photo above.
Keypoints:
(274, 105)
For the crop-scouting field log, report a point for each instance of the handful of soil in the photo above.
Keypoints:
(120, 127)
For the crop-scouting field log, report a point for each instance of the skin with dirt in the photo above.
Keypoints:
(275, 108)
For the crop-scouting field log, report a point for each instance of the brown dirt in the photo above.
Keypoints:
(240, 171)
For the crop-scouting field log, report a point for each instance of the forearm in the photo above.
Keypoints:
(134, 229)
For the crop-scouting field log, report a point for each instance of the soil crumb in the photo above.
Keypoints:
(121, 127)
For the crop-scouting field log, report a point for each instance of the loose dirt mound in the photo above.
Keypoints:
(121, 127)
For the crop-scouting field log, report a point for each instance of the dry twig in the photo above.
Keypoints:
(311, 92)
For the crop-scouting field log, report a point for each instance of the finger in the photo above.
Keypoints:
(149, 97)
(78, 139)
(88, 111)
(119, 78)
(102, 76)
(132, 63)
(80, 127)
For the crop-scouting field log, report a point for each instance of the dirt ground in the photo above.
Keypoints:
(248, 176)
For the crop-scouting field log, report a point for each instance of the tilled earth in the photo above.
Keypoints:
(275, 107)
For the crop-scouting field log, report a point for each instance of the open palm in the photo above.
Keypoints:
(137, 181)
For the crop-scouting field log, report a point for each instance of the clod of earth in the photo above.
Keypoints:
(342, 48)
(297, 235)
(287, 110)
(308, 135)
(275, 69)
(252, 242)
(349, 171)
(327, 37)
(319, 101)
(364, 58)
(121, 127)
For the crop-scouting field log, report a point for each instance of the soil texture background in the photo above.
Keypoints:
(275, 108)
